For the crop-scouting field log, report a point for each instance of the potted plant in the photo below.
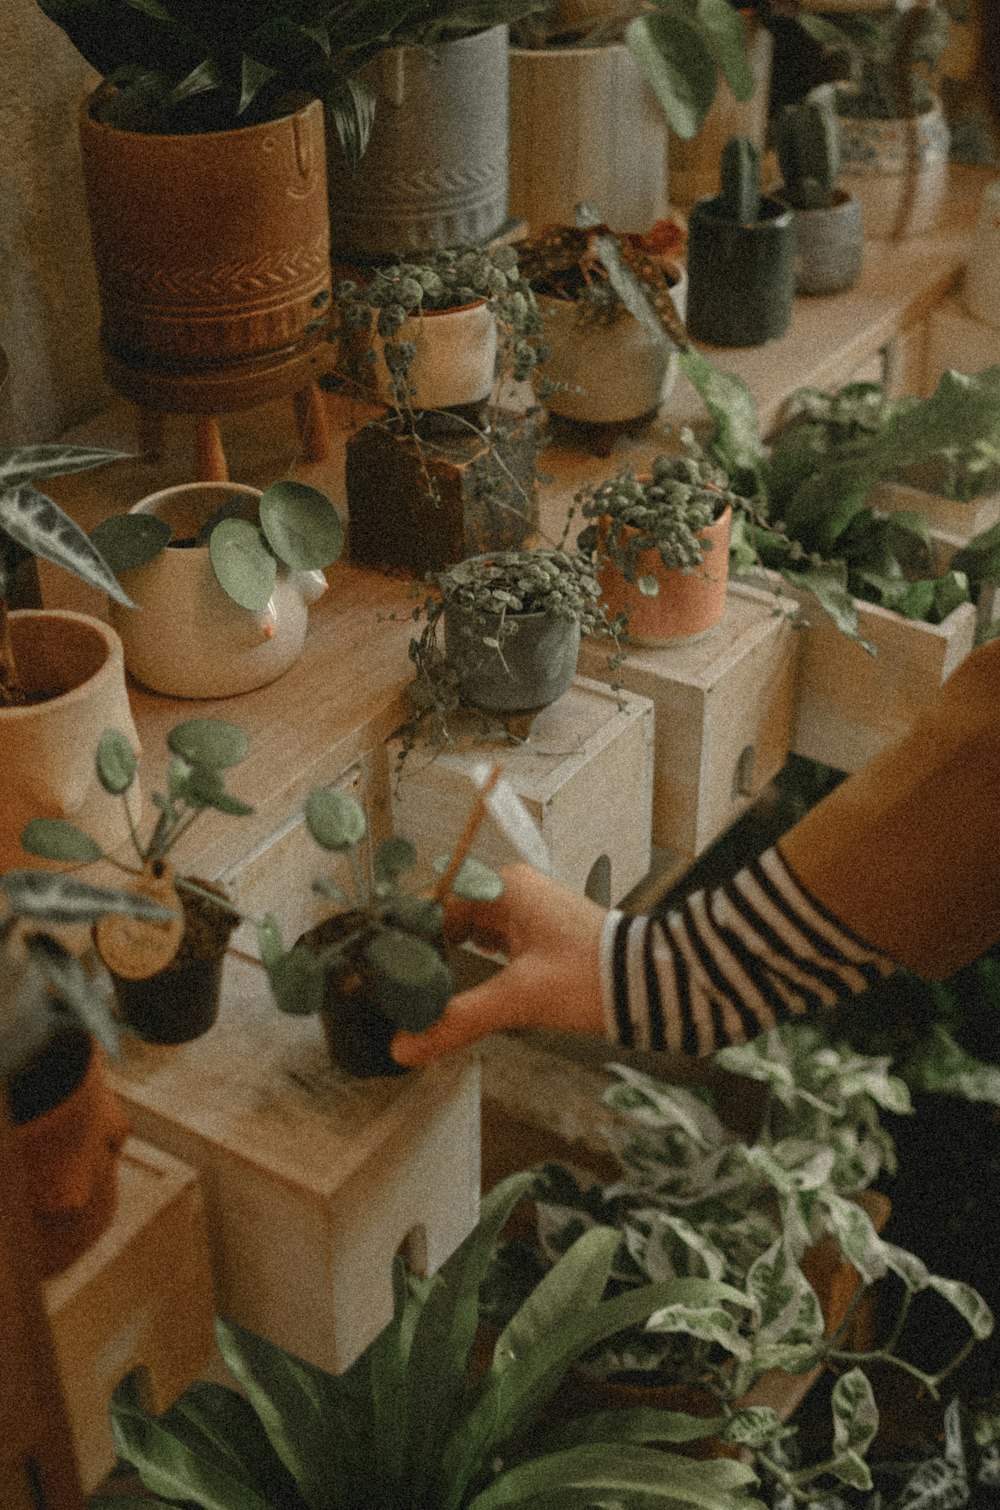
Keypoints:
(741, 257)
(894, 139)
(224, 576)
(167, 977)
(603, 364)
(296, 1437)
(829, 239)
(662, 546)
(55, 1036)
(61, 673)
(760, 1213)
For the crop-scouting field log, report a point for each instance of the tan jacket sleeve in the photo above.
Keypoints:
(906, 852)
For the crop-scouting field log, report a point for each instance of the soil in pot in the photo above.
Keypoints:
(688, 605)
(181, 1002)
(69, 1128)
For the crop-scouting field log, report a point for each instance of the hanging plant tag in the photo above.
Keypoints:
(135, 948)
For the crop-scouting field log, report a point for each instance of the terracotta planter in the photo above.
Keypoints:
(181, 1003)
(455, 361)
(608, 372)
(585, 126)
(211, 249)
(741, 277)
(688, 604)
(897, 170)
(69, 1130)
(435, 172)
(829, 245)
(47, 748)
(190, 639)
(694, 164)
(538, 661)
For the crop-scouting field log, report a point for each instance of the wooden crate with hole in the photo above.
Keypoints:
(140, 1299)
(312, 1181)
(584, 772)
(723, 710)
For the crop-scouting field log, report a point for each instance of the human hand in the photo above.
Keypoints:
(551, 937)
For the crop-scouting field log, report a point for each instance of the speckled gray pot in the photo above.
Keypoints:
(829, 246)
(436, 170)
(538, 665)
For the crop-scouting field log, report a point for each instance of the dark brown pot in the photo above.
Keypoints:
(69, 1129)
(356, 1032)
(212, 249)
(181, 1002)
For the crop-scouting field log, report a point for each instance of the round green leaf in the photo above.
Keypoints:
(130, 540)
(414, 983)
(301, 525)
(209, 741)
(204, 787)
(395, 856)
(115, 762)
(419, 915)
(476, 881)
(55, 839)
(296, 981)
(244, 567)
(335, 820)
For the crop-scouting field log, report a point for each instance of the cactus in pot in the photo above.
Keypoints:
(741, 257)
(828, 230)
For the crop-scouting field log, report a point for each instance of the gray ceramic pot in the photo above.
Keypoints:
(436, 170)
(741, 276)
(537, 666)
(829, 246)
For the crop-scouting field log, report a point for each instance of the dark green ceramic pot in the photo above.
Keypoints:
(741, 276)
(537, 664)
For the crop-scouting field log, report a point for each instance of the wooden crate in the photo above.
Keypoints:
(141, 1298)
(956, 340)
(585, 774)
(312, 1181)
(959, 520)
(723, 710)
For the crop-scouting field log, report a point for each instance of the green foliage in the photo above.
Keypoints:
(808, 142)
(391, 938)
(893, 55)
(299, 528)
(409, 1428)
(683, 496)
(740, 177)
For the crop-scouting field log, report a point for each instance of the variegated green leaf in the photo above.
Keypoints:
(709, 1322)
(968, 1302)
(855, 1414)
(21, 463)
(38, 524)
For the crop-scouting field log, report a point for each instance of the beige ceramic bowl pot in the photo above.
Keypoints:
(455, 361)
(189, 639)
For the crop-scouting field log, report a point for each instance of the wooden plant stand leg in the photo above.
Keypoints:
(152, 428)
(210, 464)
(313, 423)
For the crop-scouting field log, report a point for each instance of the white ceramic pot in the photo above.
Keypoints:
(694, 164)
(584, 126)
(455, 361)
(897, 170)
(608, 373)
(189, 639)
(981, 292)
(47, 748)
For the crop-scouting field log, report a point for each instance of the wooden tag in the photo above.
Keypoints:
(135, 948)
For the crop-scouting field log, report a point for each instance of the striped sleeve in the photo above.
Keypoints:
(730, 963)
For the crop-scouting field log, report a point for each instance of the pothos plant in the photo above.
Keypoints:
(296, 527)
(33, 525)
(410, 1426)
(665, 512)
(694, 1199)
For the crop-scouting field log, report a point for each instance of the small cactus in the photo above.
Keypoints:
(741, 181)
(808, 142)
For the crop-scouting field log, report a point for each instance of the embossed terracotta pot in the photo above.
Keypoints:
(211, 249)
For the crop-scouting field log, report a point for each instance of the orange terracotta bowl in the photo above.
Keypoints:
(688, 604)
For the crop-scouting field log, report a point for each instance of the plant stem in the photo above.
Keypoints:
(132, 832)
(465, 839)
(11, 691)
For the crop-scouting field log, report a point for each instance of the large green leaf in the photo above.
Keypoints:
(52, 898)
(414, 983)
(116, 763)
(38, 524)
(301, 525)
(68, 980)
(334, 819)
(576, 1282)
(55, 839)
(640, 1423)
(629, 1474)
(723, 29)
(169, 1466)
(737, 445)
(222, 1421)
(677, 64)
(244, 567)
(210, 742)
(350, 104)
(130, 540)
(19, 463)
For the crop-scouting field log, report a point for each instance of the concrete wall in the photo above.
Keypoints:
(48, 295)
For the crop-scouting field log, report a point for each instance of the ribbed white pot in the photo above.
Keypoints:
(189, 638)
(897, 170)
(584, 126)
(981, 292)
(47, 749)
(455, 360)
(609, 372)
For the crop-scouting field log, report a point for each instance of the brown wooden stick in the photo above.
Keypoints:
(465, 839)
